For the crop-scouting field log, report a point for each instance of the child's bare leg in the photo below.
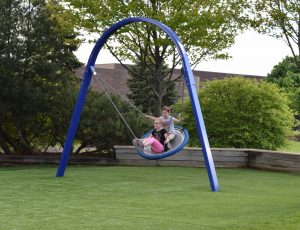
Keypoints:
(147, 141)
(169, 137)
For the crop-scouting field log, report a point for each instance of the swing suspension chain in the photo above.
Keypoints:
(121, 96)
(182, 100)
(102, 81)
(131, 104)
(99, 81)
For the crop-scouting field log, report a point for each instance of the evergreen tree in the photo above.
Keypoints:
(143, 88)
(36, 64)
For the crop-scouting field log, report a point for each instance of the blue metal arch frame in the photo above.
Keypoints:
(190, 82)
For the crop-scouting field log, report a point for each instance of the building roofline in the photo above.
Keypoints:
(117, 65)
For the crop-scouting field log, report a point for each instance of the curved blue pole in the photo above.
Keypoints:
(190, 82)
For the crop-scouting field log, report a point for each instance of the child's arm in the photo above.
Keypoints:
(176, 119)
(151, 117)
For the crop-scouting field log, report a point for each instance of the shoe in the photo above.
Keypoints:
(140, 145)
(135, 144)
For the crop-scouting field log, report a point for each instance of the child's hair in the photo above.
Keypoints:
(166, 108)
(159, 120)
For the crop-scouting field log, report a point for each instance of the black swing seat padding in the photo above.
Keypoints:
(176, 145)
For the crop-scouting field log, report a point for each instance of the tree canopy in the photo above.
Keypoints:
(280, 19)
(286, 74)
(206, 28)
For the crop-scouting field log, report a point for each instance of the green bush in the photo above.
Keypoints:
(101, 127)
(241, 113)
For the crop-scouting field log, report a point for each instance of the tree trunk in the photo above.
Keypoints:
(8, 141)
(158, 105)
(4, 146)
(82, 146)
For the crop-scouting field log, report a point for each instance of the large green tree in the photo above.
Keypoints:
(206, 28)
(280, 19)
(242, 113)
(36, 68)
(286, 74)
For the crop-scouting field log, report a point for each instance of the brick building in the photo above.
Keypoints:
(117, 75)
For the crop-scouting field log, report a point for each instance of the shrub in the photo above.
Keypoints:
(101, 127)
(241, 113)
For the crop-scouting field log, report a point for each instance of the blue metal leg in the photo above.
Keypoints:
(209, 163)
(74, 123)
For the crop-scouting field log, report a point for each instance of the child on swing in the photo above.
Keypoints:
(168, 122)
(156, 140)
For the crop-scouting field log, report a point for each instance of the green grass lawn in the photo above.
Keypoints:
(147, 198)
(294, 146)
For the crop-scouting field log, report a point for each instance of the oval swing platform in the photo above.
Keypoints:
(176, 145)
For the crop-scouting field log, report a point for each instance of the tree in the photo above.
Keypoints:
(141, 92)
(36, 68)
(242, 113)
(206, 28)
(280, 19)
(286, 74)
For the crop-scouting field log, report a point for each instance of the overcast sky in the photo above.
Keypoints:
(252, 53)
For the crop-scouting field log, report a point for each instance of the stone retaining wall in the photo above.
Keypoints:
(187, 157)
(226, 158)
(192, 157)
(24, 160)
(260, 159)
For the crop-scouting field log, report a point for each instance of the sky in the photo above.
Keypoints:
(252, 53)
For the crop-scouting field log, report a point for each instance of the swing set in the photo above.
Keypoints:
(181, 137)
